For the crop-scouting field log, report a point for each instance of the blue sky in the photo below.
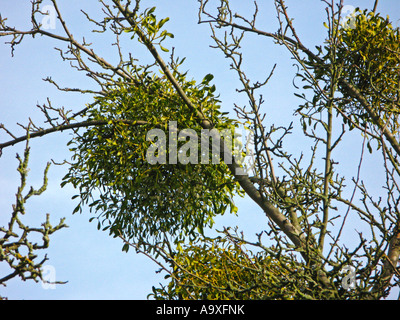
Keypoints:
(91, 261)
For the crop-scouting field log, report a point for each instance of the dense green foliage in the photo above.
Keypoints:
(219, 268)
(369, 56)
(132, 196)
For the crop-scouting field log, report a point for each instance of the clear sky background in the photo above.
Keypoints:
(90, 260)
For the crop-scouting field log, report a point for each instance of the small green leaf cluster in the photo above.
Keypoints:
(132, 197)
(152, 27)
